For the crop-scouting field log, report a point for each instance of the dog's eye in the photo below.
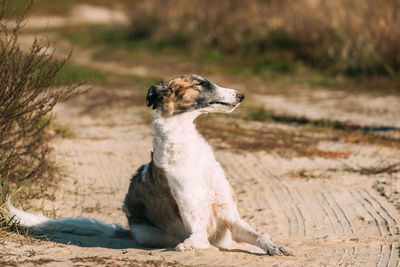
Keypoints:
(205, 84)
(200, 82)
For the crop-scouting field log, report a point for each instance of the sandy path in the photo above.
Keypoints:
(340, 221)
(81, 14)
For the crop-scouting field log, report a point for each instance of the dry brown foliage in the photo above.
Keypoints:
(227, 134)
(27, 96)
(240, 135)
(351, 36)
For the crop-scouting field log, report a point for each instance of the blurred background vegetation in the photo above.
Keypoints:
(354, 38)
(351, 37)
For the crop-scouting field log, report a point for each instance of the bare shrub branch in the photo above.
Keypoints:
(27, 97)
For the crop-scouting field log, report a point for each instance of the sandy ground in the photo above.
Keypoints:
(327, 215)
(331, 218)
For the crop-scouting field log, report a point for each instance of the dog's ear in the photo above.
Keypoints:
(154, 95)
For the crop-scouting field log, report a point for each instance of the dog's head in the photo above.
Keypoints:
(192, 93)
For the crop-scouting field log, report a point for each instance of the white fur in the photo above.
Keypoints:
(78, 225)
(24, 218)
(195, 177)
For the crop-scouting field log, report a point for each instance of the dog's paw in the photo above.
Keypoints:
(272, 249)
(184, 246)
(192, 243)
(278, 250)
(286, 251)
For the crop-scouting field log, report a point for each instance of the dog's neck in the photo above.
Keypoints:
(175, 137)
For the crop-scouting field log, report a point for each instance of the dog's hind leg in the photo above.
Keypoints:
(151, 236)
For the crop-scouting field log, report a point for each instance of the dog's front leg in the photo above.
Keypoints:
(196, 216)
(243, 232)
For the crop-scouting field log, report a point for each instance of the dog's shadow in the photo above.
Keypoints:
(110, 242)
(95, 237)
(88, 241)
(107, 242)
(61, 234)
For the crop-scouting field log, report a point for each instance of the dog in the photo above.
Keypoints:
(181, 198)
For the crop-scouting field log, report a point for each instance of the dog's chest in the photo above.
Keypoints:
(187, 161)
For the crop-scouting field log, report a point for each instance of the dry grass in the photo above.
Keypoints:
(286, 136)
(108, 261)
(10, 225)
(389, 169)
(353, 37)
(239, 135)
(310, 174)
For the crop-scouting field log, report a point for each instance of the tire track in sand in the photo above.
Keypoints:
(342, 205)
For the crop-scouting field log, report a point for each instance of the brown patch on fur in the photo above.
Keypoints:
(150, 201)
(183, 81)
(217, 206)
(234, 237)
(180, 95)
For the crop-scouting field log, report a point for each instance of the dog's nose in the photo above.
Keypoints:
(240, 97)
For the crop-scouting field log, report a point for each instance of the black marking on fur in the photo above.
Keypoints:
(150, 202)
(154, 94)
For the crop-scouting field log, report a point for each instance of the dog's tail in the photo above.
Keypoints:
(38, 223)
